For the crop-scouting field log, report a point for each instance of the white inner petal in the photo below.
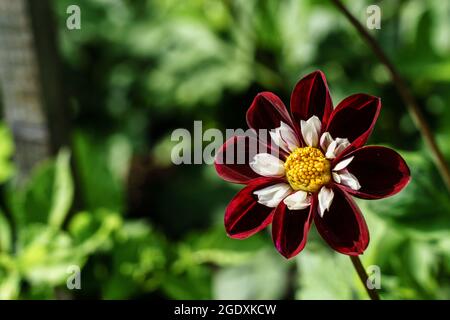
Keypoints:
(336, 177)
(298, 200)
(272, 195)
(325, 140)
(333, 148)
(267, 165)
(311, 130)
(325, 196)
(341, 145)
(284, 136)
(343, 164)
(329, 154)
(347, 179)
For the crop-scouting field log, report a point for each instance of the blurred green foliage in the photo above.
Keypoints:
(148, 229)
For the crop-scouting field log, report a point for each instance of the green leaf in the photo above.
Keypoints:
(324, 274)
(45, 254)
(47, 196)
(138, 261)
(214, 247)
(63, 190)
(32, 203)
(101, 185)
(92, 231)
(265, 276)
(423, 263)
(195, 283)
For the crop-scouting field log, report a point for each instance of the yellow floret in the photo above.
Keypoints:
(307, 169)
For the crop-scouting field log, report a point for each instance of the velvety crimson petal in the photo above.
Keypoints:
(354, 119)
(233, 158)
(381, 172)
(311, 98)
(244, 216)
(343, 227)
(290, 228)
(266, 112)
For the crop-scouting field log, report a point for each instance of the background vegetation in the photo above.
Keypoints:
(149, 229)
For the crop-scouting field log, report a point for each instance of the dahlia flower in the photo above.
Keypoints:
(313, 164)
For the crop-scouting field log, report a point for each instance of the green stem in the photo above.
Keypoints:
(373, 293)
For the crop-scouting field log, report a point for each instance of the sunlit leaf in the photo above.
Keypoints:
(44, 255)
(63, 190)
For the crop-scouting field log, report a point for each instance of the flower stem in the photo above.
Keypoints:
(373, 293)
(405, 93)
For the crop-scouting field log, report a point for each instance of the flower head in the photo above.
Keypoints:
(322, 163)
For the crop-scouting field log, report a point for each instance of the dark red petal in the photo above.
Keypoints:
(244, 216)
(233, 158)
(290, 229)
(381, 172)
(343, 227)
(311, 98)
(354, 119)
(266, 112)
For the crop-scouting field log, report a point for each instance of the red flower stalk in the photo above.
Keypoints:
(322, 163)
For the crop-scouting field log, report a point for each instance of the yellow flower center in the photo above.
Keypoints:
(307, 169)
